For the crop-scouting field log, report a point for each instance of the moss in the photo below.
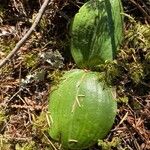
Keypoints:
(30, 60)
(134, 56)
(109, 71)
(4, 144)
(6, 45)
(137, 34)
(40, 127)
(2, 13)
(6, 70)
(123, 99)
(3, 117)
(106, 145)
(136, 105)
(55, 76)
(136, 72)
(43, 23)
(26, 146)
(147, 57)
(40, 122)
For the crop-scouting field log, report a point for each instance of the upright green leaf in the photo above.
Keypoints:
(96, 32)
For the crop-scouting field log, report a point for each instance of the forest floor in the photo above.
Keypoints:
(26, 79)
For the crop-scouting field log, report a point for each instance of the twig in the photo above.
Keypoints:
(27, 35)
(50, 142)
(141, 9)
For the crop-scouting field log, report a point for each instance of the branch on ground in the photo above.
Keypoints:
(27, 35)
